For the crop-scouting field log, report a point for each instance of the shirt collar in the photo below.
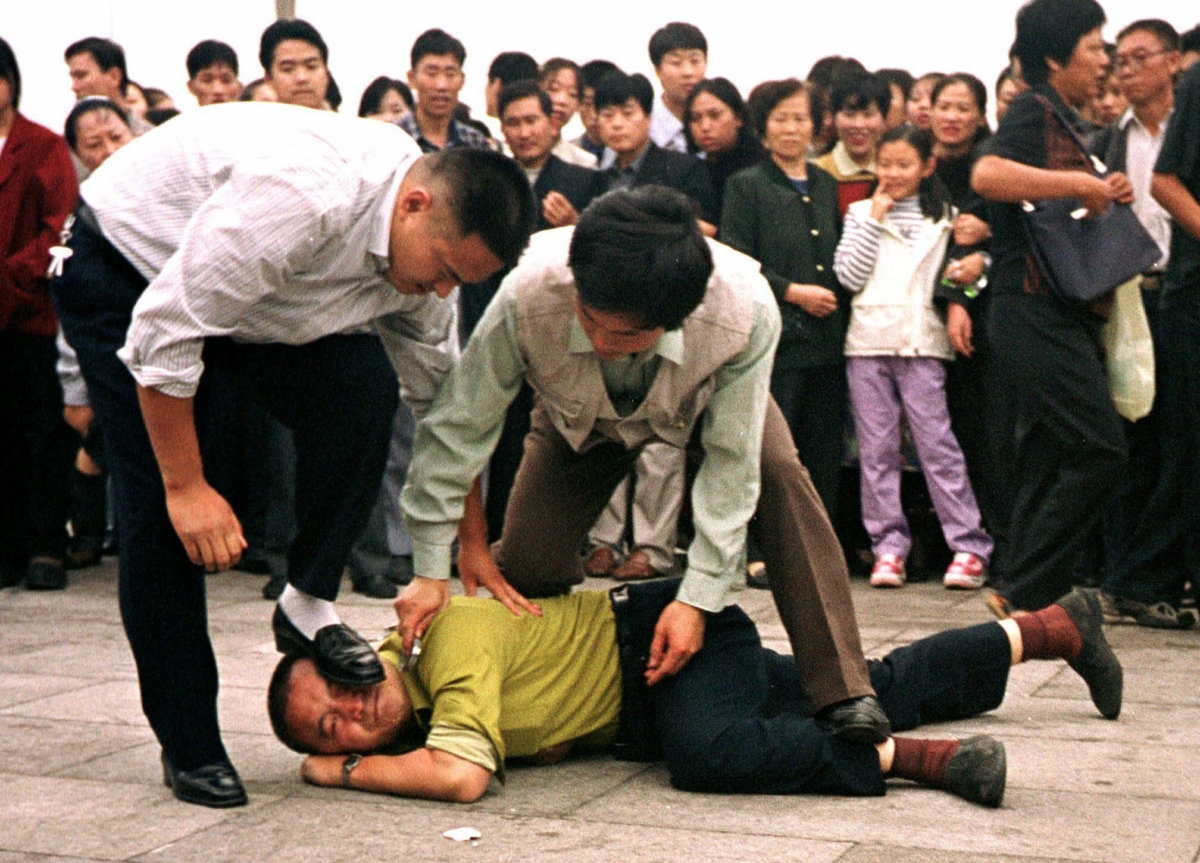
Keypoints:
(669, 345)
(636, 164)
(1129, 117)
(381, 219)
(846, 165)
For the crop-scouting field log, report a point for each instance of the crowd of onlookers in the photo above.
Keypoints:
(901, 361)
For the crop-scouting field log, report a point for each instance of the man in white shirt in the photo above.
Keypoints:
(289, 253)
(679, 53)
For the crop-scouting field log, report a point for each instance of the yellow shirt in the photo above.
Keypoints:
(517, 686)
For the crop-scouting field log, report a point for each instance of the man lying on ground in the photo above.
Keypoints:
(489, 686)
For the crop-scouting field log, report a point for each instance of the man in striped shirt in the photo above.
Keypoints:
(289, 253)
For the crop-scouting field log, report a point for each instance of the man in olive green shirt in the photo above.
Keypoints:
(631, 328)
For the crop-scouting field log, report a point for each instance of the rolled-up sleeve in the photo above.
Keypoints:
(725, 492)
(239, 247)
(459, 432)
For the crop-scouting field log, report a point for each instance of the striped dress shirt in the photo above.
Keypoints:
(265, 223)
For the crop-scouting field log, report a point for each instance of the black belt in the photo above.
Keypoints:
(636, 608)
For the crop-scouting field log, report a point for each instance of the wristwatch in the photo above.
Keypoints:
(347, 766)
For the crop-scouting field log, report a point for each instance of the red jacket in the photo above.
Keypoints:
(38, 190)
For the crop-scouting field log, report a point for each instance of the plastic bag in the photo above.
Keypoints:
(1129, 352)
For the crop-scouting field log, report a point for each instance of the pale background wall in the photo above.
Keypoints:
(749, 40)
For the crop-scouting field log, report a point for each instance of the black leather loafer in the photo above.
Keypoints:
(861, 720)
(214, 785)
(341, 654)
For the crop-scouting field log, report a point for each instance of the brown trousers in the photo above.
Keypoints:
(558, 494)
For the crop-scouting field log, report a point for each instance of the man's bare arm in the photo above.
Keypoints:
(204, 521)
(1174, 197)
(430, 774)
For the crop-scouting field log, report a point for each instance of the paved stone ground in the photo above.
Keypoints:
(79, 774)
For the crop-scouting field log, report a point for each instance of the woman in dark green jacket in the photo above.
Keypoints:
(784, 213)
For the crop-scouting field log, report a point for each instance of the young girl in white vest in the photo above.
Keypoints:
(891, 255)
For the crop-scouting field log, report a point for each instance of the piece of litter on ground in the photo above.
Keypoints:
(463, 834)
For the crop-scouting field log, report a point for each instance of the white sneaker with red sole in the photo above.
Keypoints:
(966, 572)
(888, 571)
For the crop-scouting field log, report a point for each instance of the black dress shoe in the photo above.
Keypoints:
(341, 654)
(375, 585)
(861, 720)
(273, 589)
(216, 785)
(1096, 662)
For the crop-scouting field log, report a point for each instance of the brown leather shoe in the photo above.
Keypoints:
(601, 562)
(636, 568)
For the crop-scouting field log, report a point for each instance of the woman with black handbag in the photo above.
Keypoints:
(1059, 435)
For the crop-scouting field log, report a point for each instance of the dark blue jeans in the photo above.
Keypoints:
(735, 719)
(337, 395)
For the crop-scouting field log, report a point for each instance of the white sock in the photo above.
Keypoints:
(307, 613)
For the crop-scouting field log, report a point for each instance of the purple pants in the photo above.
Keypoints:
(879, 388)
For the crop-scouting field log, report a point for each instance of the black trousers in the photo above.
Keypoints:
(736, 720)
(36, 449)
(337, 395)
(1060, 442)
(813, 401)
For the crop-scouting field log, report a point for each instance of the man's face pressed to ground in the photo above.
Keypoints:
(329, 718)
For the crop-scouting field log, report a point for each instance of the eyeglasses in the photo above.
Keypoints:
(1133, 62)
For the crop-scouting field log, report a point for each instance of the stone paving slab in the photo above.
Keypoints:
(80, 776)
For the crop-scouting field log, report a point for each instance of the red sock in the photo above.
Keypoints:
(922, 761)
(1049, 634)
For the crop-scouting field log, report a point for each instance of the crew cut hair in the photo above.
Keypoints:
(280, 31)
(208, 53)
(616, 88)
(639, 252)
(523, 90)
(107, 54)
(489, 195)
(512, 66)
(279, 690)
(676, 36)
(1166, 35)
(436, 42)
(1050, 30)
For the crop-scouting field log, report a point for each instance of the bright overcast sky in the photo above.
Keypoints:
(749, 41)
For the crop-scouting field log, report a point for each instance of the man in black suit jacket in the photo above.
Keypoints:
(623, 105)
(562, 190)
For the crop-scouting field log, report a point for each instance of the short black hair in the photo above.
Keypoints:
(512, 66)
(902, 78)
(676, 36)
(158, 116)
(640, 252)
(280, 31)
(523, 90)
(826, 69)
(858, 92)
(1051, 29)
(436, 42)
(279, 690)
(616, 88)
(489, 195)
(10, 72)
(593, 70)
(107, 54)
(372, 97)
(87, 105)
(208, 53)
(1189, 40)
(766, 97)
(1166, 35)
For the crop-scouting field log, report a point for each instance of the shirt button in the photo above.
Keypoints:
(820, 268)
(815, 232)
(806, 199)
